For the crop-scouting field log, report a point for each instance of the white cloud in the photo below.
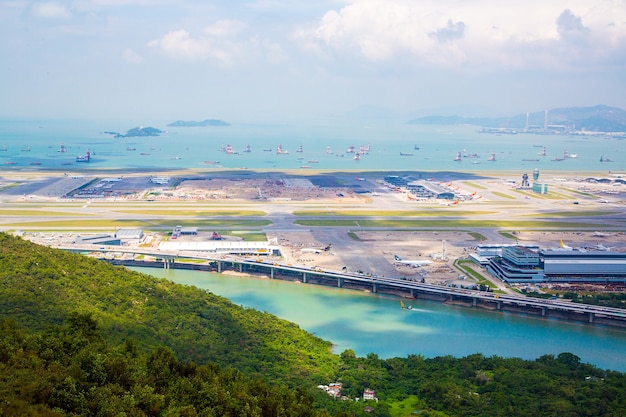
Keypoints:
(223, 42)
(131, 56)
(224, 28)
(50, 10)
(446, 32)
(179, 44)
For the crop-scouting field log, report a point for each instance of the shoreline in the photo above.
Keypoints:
(300, 172)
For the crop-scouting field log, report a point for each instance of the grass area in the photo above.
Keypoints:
(196, 212)
(248, 236)
(353, 236)
(391, 213)
(477, 236)
(552, 195)
(146, 224)
(474, 185)
(447, 223)
(508, 235)
(573, 213)
(38, 213)
(191, 261)
(499, 194)
(409, 406)
(465, 266)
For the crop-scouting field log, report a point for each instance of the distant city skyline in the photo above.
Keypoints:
(294, 60)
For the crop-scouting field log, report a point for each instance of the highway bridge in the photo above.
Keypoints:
(377, 284)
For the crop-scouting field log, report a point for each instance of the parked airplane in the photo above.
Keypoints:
(413, 263)
(564, 246)
(601, 247)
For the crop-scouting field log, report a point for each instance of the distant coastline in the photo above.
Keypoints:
(193, 123)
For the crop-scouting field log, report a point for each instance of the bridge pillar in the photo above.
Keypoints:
(374, 288)
(339, 282)
(219, 267)
(499, 303)
(474, 301)
(240, 267)
(544, 311)
(591, 317)
(413, 293)
(304, 277)
(272, 272)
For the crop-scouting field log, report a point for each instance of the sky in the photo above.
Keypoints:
(303, 60)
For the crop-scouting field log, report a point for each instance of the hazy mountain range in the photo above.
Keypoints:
(598, 118)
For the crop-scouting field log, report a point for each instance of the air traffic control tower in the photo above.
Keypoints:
(538, 186)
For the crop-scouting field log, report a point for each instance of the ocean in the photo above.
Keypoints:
(36, 145)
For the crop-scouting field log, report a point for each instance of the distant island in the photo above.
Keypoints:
(193, 123)
(599, 118)
(136, 131)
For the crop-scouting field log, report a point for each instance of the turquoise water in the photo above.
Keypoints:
(371, 323)
(34, 145)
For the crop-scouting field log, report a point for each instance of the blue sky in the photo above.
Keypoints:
(298, 60)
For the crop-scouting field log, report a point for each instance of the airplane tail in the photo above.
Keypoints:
(397, 258)
(562, 244)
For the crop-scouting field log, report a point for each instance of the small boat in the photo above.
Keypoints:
(350, 149)
(131, 149)
(35, 163)
(26, 149)
(10, 163)
(300, 149)
(492, 157)
(248, 149)
(405, 154)
(312, 161)
(357, 156)
(305, 166)
(144, 153)
(267, 150)
(457, 158)
(175, 158)
(530, 159)
(415, 147)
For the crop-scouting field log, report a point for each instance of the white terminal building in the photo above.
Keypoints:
(223, 247)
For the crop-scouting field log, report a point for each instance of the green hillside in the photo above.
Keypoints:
(40, 287)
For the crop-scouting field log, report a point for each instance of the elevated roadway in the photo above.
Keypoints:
(384, 284)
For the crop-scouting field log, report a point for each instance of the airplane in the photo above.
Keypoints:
(601, 247)
(414, 264)
(564, 246)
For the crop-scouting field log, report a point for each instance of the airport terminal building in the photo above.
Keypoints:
(519, 264)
